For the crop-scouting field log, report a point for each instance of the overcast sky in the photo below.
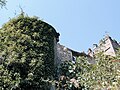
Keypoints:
(81, 23)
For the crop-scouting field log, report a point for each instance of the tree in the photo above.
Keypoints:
(2, 3)
(27, 54)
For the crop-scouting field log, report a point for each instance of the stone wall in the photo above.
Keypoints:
(63, 54)
(107, 45)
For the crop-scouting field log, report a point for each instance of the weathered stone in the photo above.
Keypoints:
(107, 45)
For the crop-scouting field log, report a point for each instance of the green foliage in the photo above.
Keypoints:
(104, 74)
(27, 54)
(70, 74)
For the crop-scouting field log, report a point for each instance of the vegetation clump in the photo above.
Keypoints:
(81, 75)
(26, 53)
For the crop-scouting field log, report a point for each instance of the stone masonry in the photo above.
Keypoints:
(107, 45)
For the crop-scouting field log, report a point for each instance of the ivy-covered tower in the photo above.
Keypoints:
(27, 51)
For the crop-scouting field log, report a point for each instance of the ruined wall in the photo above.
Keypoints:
(107, 45)
(63, 54)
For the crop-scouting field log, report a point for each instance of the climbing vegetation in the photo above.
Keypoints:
(82, 75)
(26, 54)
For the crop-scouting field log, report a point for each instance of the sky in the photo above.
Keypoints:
(81, 23)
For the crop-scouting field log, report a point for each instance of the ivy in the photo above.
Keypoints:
(81, 75)
(27, 51)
